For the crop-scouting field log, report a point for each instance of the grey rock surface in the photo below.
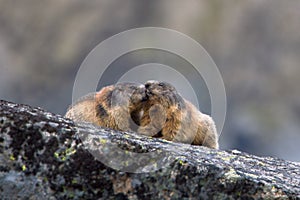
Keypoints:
(45, 156)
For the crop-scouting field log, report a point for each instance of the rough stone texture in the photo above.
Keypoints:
(44, 156)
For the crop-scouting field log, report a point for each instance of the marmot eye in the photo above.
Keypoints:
(161, 84)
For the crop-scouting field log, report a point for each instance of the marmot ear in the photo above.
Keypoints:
(162, 84)
(180, 102)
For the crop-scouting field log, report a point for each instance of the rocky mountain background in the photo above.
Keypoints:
(255, 44)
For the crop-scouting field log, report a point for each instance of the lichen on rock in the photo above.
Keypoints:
(45, 156)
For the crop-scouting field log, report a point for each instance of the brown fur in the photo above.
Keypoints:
(158, 110)
(169, 116)
(113, 106)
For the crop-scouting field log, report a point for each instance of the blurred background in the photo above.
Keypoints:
(255, 44)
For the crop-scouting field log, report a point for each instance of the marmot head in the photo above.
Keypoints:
(163, 93)
(123, 95)
(129, 97)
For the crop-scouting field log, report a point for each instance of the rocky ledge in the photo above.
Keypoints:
(45, 156)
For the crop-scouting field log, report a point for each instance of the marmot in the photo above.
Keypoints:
(155, 109)
(169, 116)
(114, 106)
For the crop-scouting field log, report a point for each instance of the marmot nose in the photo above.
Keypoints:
(147, 85)
(145, 98)
(150, 82)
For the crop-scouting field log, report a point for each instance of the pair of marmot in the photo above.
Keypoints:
(154, 109)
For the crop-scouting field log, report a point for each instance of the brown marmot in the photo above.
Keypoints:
(155, 109)
(114, 106)
(169, 116)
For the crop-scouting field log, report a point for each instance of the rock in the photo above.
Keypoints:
(45, 156)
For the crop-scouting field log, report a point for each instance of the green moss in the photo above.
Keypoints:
(63, 155)
(56, 155)
(74, 181)
(232, 175)
(181, 162)
(70, 151)
(12, 158)
(102, 141)
(24, 168)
